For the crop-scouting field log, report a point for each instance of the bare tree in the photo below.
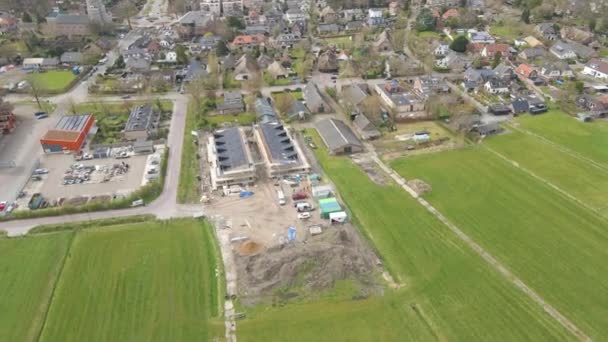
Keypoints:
(284, 102)
(35, 91)
(125, 10)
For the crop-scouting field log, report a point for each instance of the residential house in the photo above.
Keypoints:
(354, 26)
(424, 86)
(285, 40)
(328, 15)
(143, 122)
(546, 31)
(504, 71)
(264, 111)
(59, 24)
(375, 17)
(211, 6)
(294, 15)
(481, 37)
(519, 42)
(264, 61)
(450, 13)
(596, 68)
(405, 104)
(171, 57)
(328, 62)
(208, 43)
(442, 49)
(194, 71)
(298, 111)
(193, 23)
(556, 70)
(72, 58)
(328, 29)
(245, 68)
(443, 3)
(563, 50)
(40, 63)
(232, 8)
(526, 71)
(531, 41)
(491, 50)
(353, 95)
(138, 64)
(477, 78)
(456, 62)
(577, 34)
(277, 71)
(314, 100)
(383, 42)
(247, 42)
(496, 86)
(338, 137)
(232, 103)
(8, 23)
(257, 29)
(352, 14)
(591, 103)
(533, 53)
(584, 52)
(367, 130)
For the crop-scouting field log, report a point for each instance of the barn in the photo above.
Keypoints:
(338, 137)
(68, 135)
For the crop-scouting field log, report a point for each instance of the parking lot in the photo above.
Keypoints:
(69, 178)
(22, 146)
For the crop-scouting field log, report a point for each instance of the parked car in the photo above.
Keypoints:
(304, 216)
(42, 171)
(2, 205)
(122, 155)
(126, 97)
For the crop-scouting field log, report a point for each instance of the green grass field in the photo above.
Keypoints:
(587, 139)
(587, 182)
(554, 244)
(145, 281)
(449, 293)
(52, 81)
(141, 282)
(28, 269)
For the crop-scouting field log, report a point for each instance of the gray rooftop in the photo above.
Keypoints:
(265, 111)
(72, 19)
(71, 57)
(337, 134)
(232, 99)
(230, 149)
(75, 123)
(279, 144)
(141, 118)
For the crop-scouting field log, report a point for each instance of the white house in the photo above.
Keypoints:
(374, 13)
(496, 86)
(171, 57)
(563, 50)
(596, 68)
(442, 49)
(480, 37)
(294, 15)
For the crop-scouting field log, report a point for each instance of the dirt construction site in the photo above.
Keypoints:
(274, 264)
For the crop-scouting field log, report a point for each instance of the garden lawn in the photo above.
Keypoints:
(139, 282)
(585, 181)
(587, 139)
(28, 271)
(553, 244)
(53, 81)
(242, 119)
(188, 186)
(448, 293)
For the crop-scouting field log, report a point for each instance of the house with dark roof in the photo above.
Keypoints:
(72, 58)
(383, 42)
(59, 24)
(556, 70)
(232, 103)
(327, 29)
(314, 100)
(229, 157)
(281, 153)
(533, 53)
(428, 84)
(353, 95)
(143, 121)
(497, 86)
(563, 50)
(407, 105)
(547, 31)
(265, 111)
(298, 111)
(338, 137)
(367, 130)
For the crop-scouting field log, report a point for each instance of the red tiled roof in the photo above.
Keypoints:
(451, 13)
(524, 70)
(248, 39)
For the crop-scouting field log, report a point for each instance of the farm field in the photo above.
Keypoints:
(152, 281)
(587, 139)
(585, 181)
(53, 81)
(448, 292)
(554, 244)
(29, 268)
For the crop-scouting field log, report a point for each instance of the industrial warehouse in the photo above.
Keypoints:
(69, 134)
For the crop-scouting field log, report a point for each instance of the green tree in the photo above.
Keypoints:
(459, 44)
(425, 21)
(120, 63)
(579, 86)
(525, 15)
(592, 24)
(235, 23)
(496, 60)
(26, 17)
(182, 56)
(221, 49)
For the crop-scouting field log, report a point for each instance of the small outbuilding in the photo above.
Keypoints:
(69, 134)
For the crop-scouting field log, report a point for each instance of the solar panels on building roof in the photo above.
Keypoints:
(278, 142)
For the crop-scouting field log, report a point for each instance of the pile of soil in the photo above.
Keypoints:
(249, 248)
(419, 186)
(370, 168)
(311, 267)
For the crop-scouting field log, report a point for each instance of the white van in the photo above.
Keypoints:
(281, 197)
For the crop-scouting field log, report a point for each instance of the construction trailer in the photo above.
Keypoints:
(321, 191)
(328, 206)
(338, 217)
